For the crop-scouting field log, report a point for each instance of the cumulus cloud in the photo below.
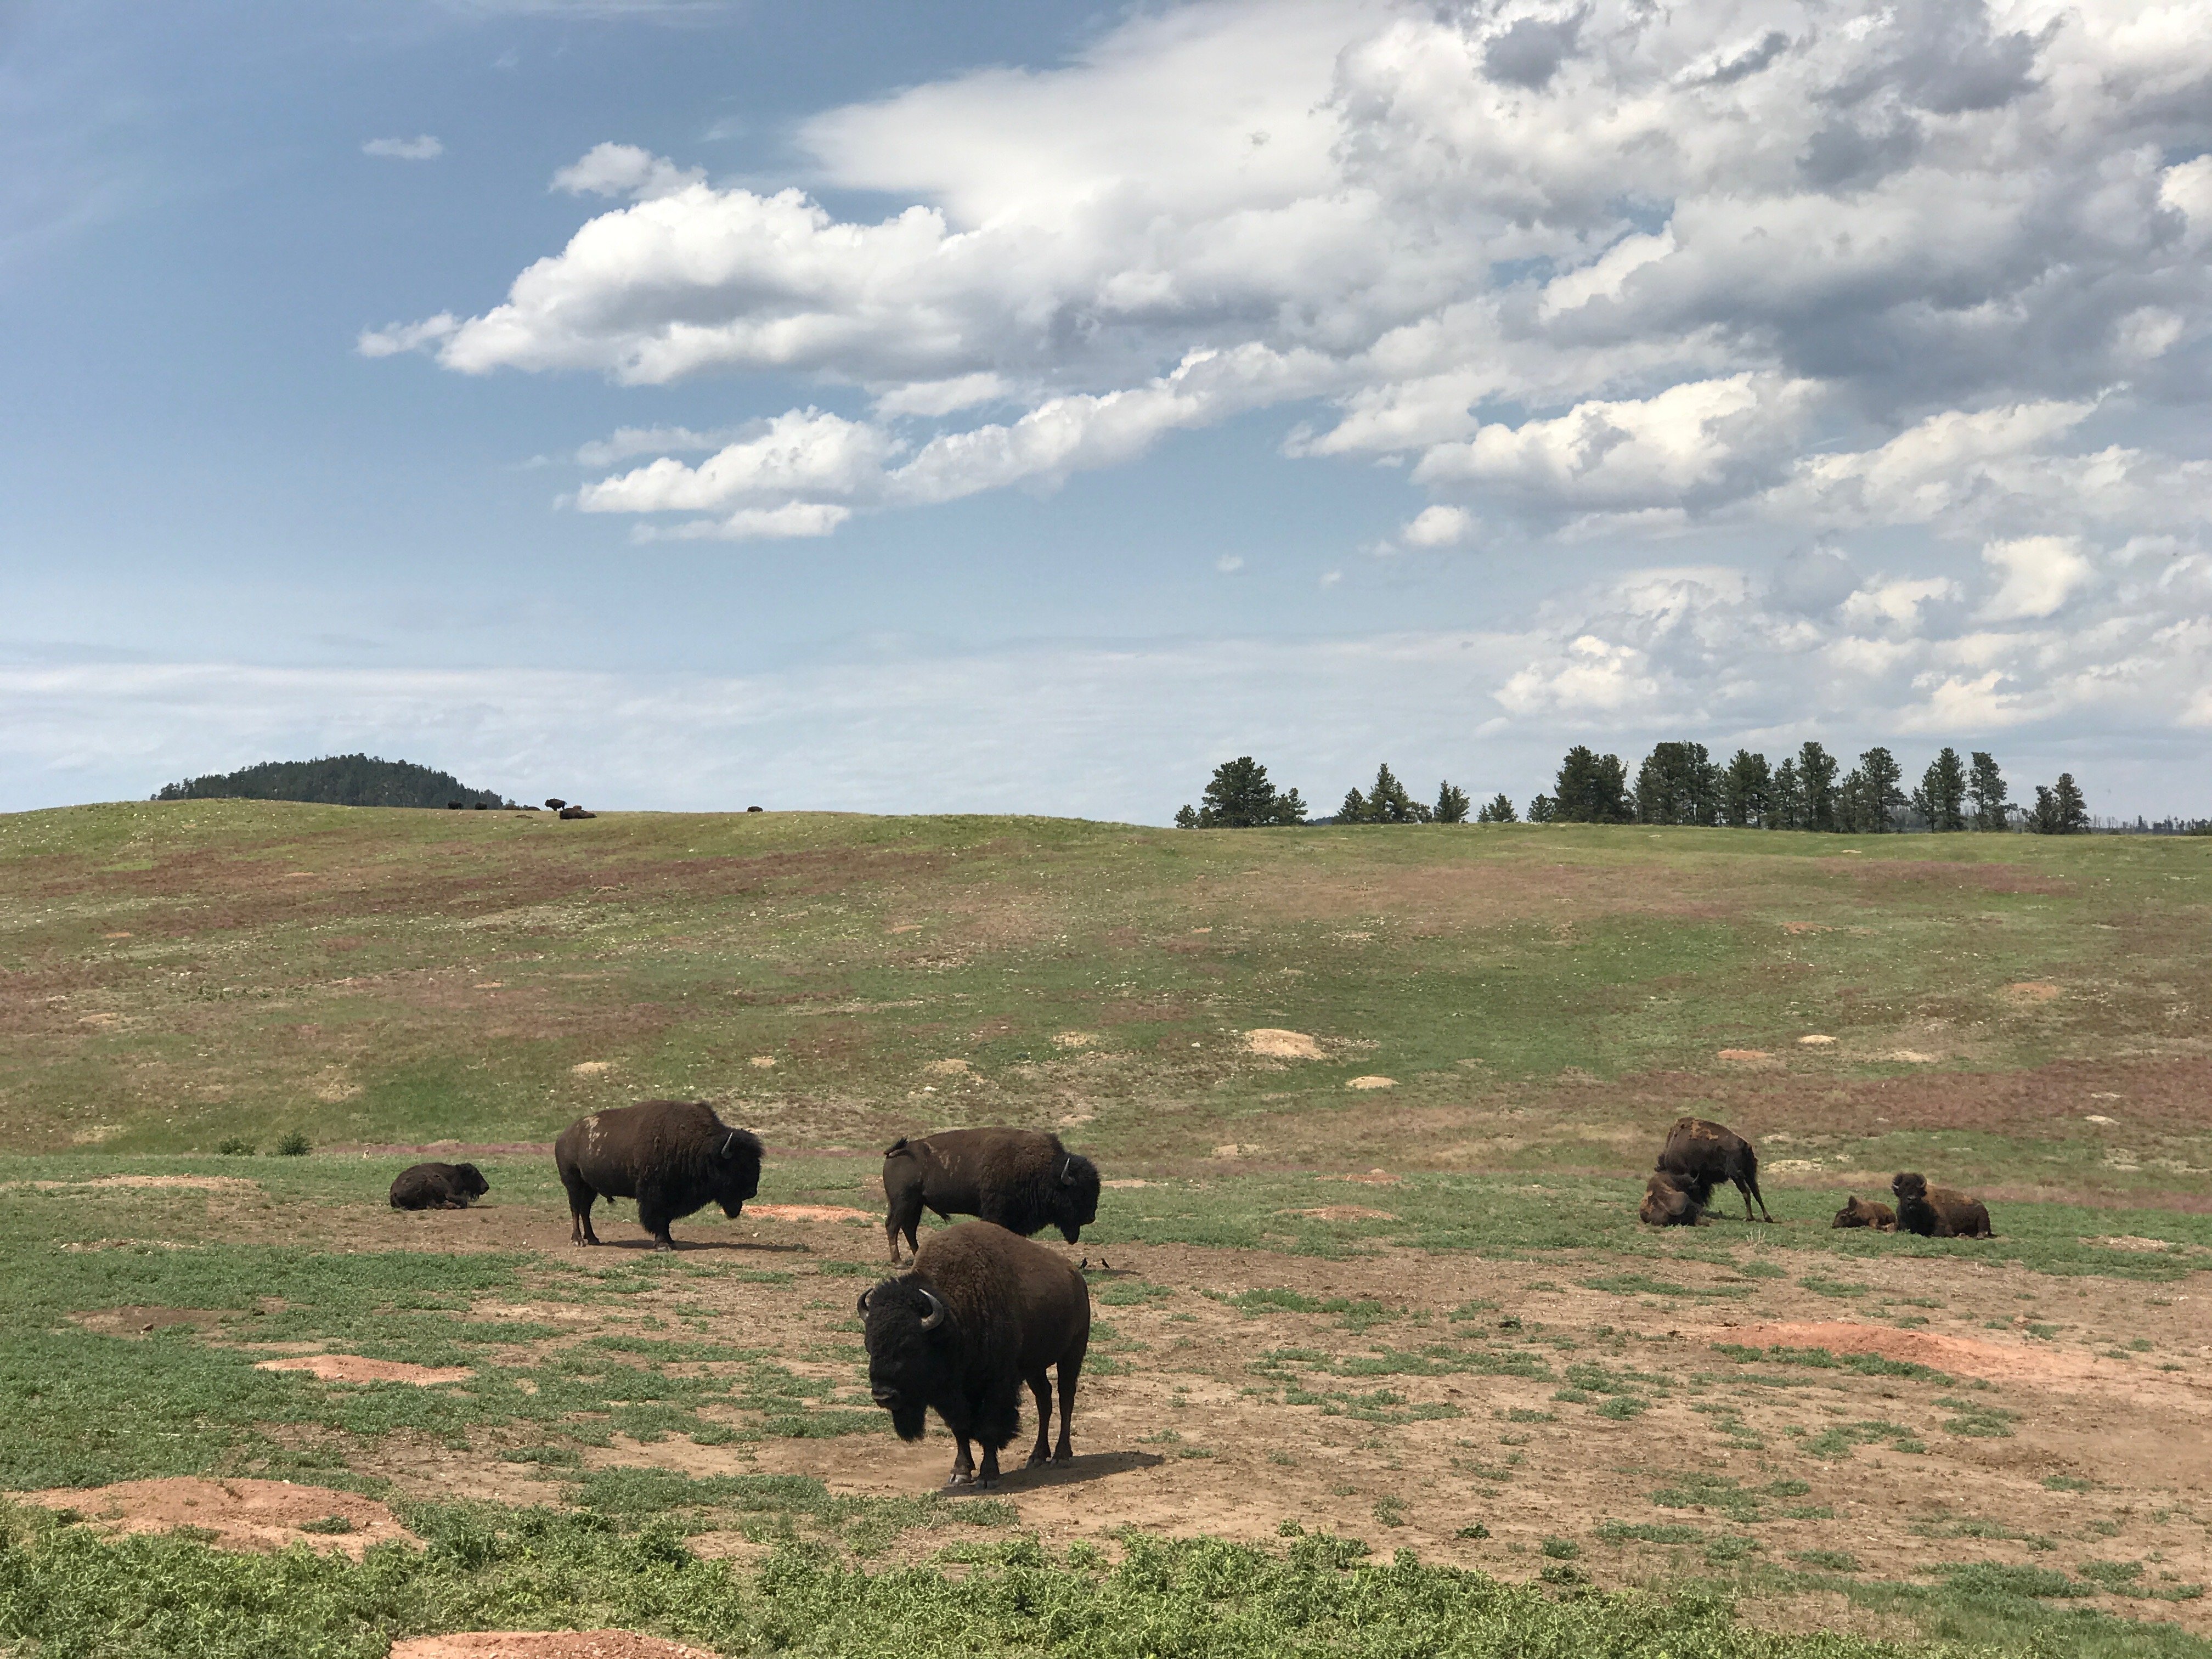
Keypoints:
(1437, 527)
(423, 148)
(2038, 574)
(1584, 267)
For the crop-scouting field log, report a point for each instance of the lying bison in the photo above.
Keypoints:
(1666, 1204)
(1938, 1212)
(980, 1312)
(1865, 1213)
(438, 1186)
(673, 1157)
(1699, 1156)
(1021, 1179)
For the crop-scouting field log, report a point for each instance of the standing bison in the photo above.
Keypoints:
(1024, 1180)
(1938, 1212)
(438, 1186)
(1699, 1156)
(980, 1312)
(673, 1157)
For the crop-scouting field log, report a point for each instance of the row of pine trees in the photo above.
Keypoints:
(1681, 783)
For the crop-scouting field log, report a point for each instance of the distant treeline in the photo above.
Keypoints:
(336, 780)
(1681, 783)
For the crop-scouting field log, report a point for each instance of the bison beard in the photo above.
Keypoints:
(438, 1186)
(1938, 1212)
(674, 1156)
(982, 1312)
(1699, 1156)
(1024, 1180)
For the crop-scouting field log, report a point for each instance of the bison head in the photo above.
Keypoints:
(734, 1166)
(1910, 1187)
(1667, 1204)
(911, 1350)
(469, 1181)
(1075, 1196)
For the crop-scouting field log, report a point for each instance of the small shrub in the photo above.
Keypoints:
(234, 1146)
(294, 1144)
(1834, 1560)
(333, 1525)
(1562, 1549)
(1478, 1530)
(1390, 1511)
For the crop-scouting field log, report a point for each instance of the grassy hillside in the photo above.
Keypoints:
(177, 974)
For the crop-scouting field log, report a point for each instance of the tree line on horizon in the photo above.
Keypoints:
(1681, 783)
(335, 780)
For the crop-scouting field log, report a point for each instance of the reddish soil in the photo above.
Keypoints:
(544, 1644)
(242, 1514)
(356, 1368)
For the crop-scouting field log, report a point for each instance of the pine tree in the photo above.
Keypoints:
(1878, 775)
(1816, 779)
(1498, 810)
(1451, 804)
(2059, 809)
(1542, 809)
(1985, 786)
(1941, 796)
(1744, 784)
(1240, 797)
(1785, 798)
(1354, 809)
(1591, 788)
(1678, 783)
(1186, 818)
(1389, 803)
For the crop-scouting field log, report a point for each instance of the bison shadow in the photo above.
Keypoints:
(1087, 1466)
(685, 1246)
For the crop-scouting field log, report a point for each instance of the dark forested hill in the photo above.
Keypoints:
(335, 780)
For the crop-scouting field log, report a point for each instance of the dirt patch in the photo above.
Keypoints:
(140, 1321)
(2038, 1366)
(1747, 1056)
(1371, 1083)
(1815, 1040)
(1274, 1044)
(1074, 1039)
(810, 1212)
(2131, 1242)
(242, 1514)
(544, 1644)
(1372, 1178)
(358, 1367)
(184, 1183)
(949, 1068)
(2033, 990)
(1346, 1212)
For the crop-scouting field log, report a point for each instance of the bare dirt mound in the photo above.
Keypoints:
(1966, 1356)
(809, 1212)
(358, 1367)
(544, 1644)
(242, 1514)
(1281, 1045)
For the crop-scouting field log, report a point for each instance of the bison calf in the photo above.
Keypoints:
(1667, 1205)
(673, 1157)
(1865, 1213)
(1699, 1156)
(1024, 1180)
(438, 1186)
(1938, 1212)
(981, 1312)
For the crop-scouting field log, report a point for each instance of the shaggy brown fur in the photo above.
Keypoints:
(1021, 1179)
(1667, 1205)
(1865, 1213)
(1938, 1212)
(438, 1186)
(1701, 1155)
(1011, 1311)
(673, 1157)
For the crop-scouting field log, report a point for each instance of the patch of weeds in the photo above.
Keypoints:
(1132, 1293)
(1528, 1414)
(1644, 1285)
(1984, 1422)
(1648, 1532)
(1698, 1489)
(1863, 1364)
(849, 1269)
(1820, 1285)
(1390, 1511)
(1562, 1549)
(1476, 1530)
(2068, 1483)
(294, 1144)
(559, 1458)
(1841, 1439)
(1560, 1572)
(1471, 1309)
(2117, 1576)
(234, 1147)
(1998, 1578)
(1808, 1512)
(1729, 1547)
(1833, 1560)
(1354, 1314)
(329, 1525)
(1622, 1407)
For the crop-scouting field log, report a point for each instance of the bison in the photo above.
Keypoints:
(1699, 1156)
(438, 1186)
(673, 1157)
(1024, 1180)
(1865, 1213)
(1938, 1212)
(1666, 1204)
(980, 1312)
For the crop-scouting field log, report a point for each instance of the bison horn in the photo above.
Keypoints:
(730, 1143)
(935, 1317)
(863, 1303)
(1067, 1173)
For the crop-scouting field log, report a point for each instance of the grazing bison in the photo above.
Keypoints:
(1865, 1213)
(1666, 1204)
(438, 1186)
(981, 1312)
(1701, 1155)
(673, 1157)
(1024, 1180)
(1938, 1212)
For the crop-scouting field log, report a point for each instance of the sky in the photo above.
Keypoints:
(1022, 407)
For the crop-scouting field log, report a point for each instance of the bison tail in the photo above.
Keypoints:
(897, 1148)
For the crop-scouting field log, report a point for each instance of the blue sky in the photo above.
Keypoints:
(1020, 407)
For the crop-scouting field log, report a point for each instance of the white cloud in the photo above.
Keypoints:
(2038, 574)
(1605, 268)
(406, 337)
(787, 521)
(424, 148)
(803, 453)
(1437, 527)
(1229, 564)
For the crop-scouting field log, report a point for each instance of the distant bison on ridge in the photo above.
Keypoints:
(1022, 1180)
(1938, 1212)
(1865, 1213)
(438, 1186)
(981, 1312)
(1699, 1156)
(1667, 1204)
(673, 1157)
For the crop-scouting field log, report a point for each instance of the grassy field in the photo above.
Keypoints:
(1380, 1369)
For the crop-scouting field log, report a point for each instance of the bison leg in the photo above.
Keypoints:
(963, 1465)
(904, 1216)
(653, 1215)
(1748, 1184)
(1070, 1369)
(1040, 1390)
(989, 1475)
(581, 1200)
